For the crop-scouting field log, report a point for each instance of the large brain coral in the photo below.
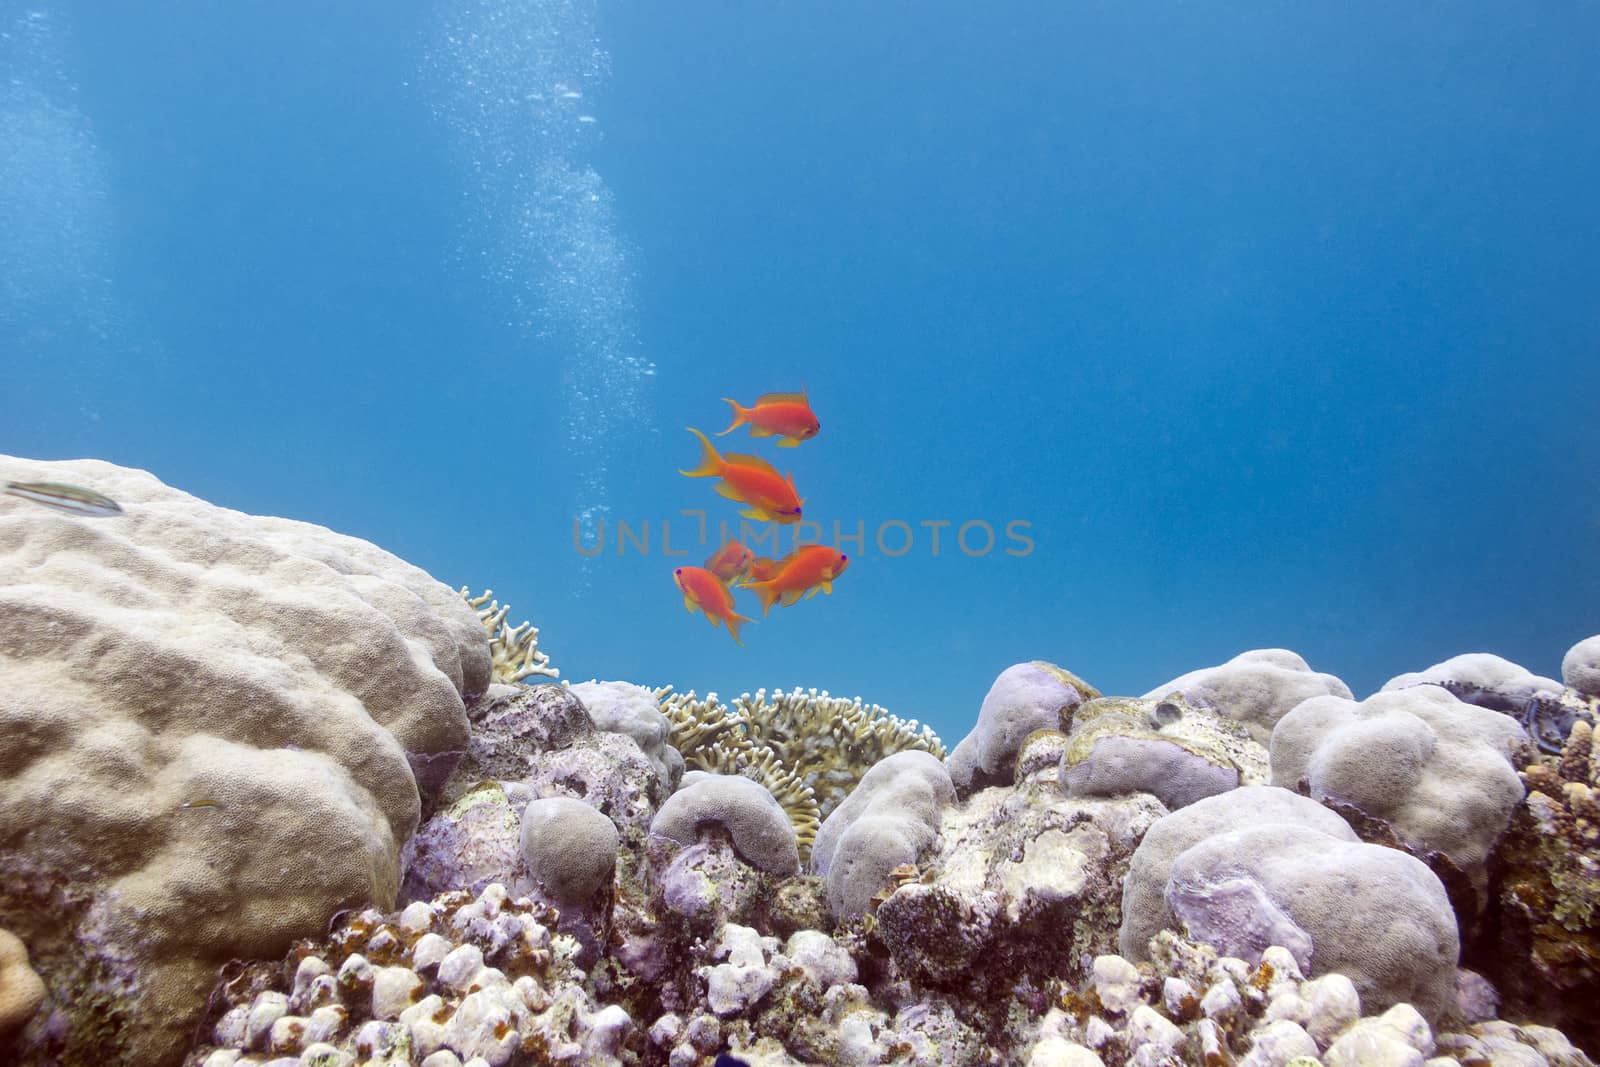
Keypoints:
(218, 730)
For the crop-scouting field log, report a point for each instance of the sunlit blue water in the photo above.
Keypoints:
(1279, 325)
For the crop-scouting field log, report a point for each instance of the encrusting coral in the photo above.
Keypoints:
(808, 748)
(1544, 948)
(514, 650)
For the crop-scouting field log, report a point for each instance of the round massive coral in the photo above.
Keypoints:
(218, 731)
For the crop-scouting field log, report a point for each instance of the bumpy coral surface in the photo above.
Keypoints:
(1415, 763)
(1025, 698)
(218, 732)
(1256, 688)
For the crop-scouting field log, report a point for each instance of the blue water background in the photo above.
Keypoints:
(1279, 324)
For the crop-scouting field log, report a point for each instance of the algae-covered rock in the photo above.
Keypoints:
(1023, 884)
(1120, 745)
(220, 728)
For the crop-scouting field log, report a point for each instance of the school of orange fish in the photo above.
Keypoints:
(767, 496)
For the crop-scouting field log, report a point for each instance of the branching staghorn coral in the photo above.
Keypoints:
(514, 650)
(808, 748)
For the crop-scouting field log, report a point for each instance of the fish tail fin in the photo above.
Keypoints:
(710, 462)
(765, 593)
(740, 414)
(735, 622)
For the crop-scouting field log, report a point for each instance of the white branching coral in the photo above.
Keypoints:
(514, 650)
(808, 748)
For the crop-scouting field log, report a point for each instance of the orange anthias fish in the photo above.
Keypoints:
(751, 480)
(704, 590)
(800, 574)
(786, 416)
(731, 561)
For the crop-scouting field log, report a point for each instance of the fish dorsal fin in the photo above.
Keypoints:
(781, 398)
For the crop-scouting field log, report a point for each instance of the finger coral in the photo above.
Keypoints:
(514, 650)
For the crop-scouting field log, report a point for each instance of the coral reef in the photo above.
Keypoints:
(1190, 1005)
(300, 782)
(268, 707)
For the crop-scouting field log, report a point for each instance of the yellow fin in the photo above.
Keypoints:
(760, 431)
(780, 398)
(791, 597)
(758, 515)
(811, 592)
(724, 489)
(710, 462)
(827, 587)
(688, 605)
(735, 623)
(788, 442)
(738, 415)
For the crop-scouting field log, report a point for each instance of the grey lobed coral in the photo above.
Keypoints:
(1256, 688)
(570, 848)
(886, 821)
(633, 710)
(1261, 866)
(1435, 772)
(756, 823)
(1024, 698)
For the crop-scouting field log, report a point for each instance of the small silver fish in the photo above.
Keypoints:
(58, 496)
(190, 805)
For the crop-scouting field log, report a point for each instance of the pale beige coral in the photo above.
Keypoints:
(514, 650)
(216, 726)
(21, 990)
